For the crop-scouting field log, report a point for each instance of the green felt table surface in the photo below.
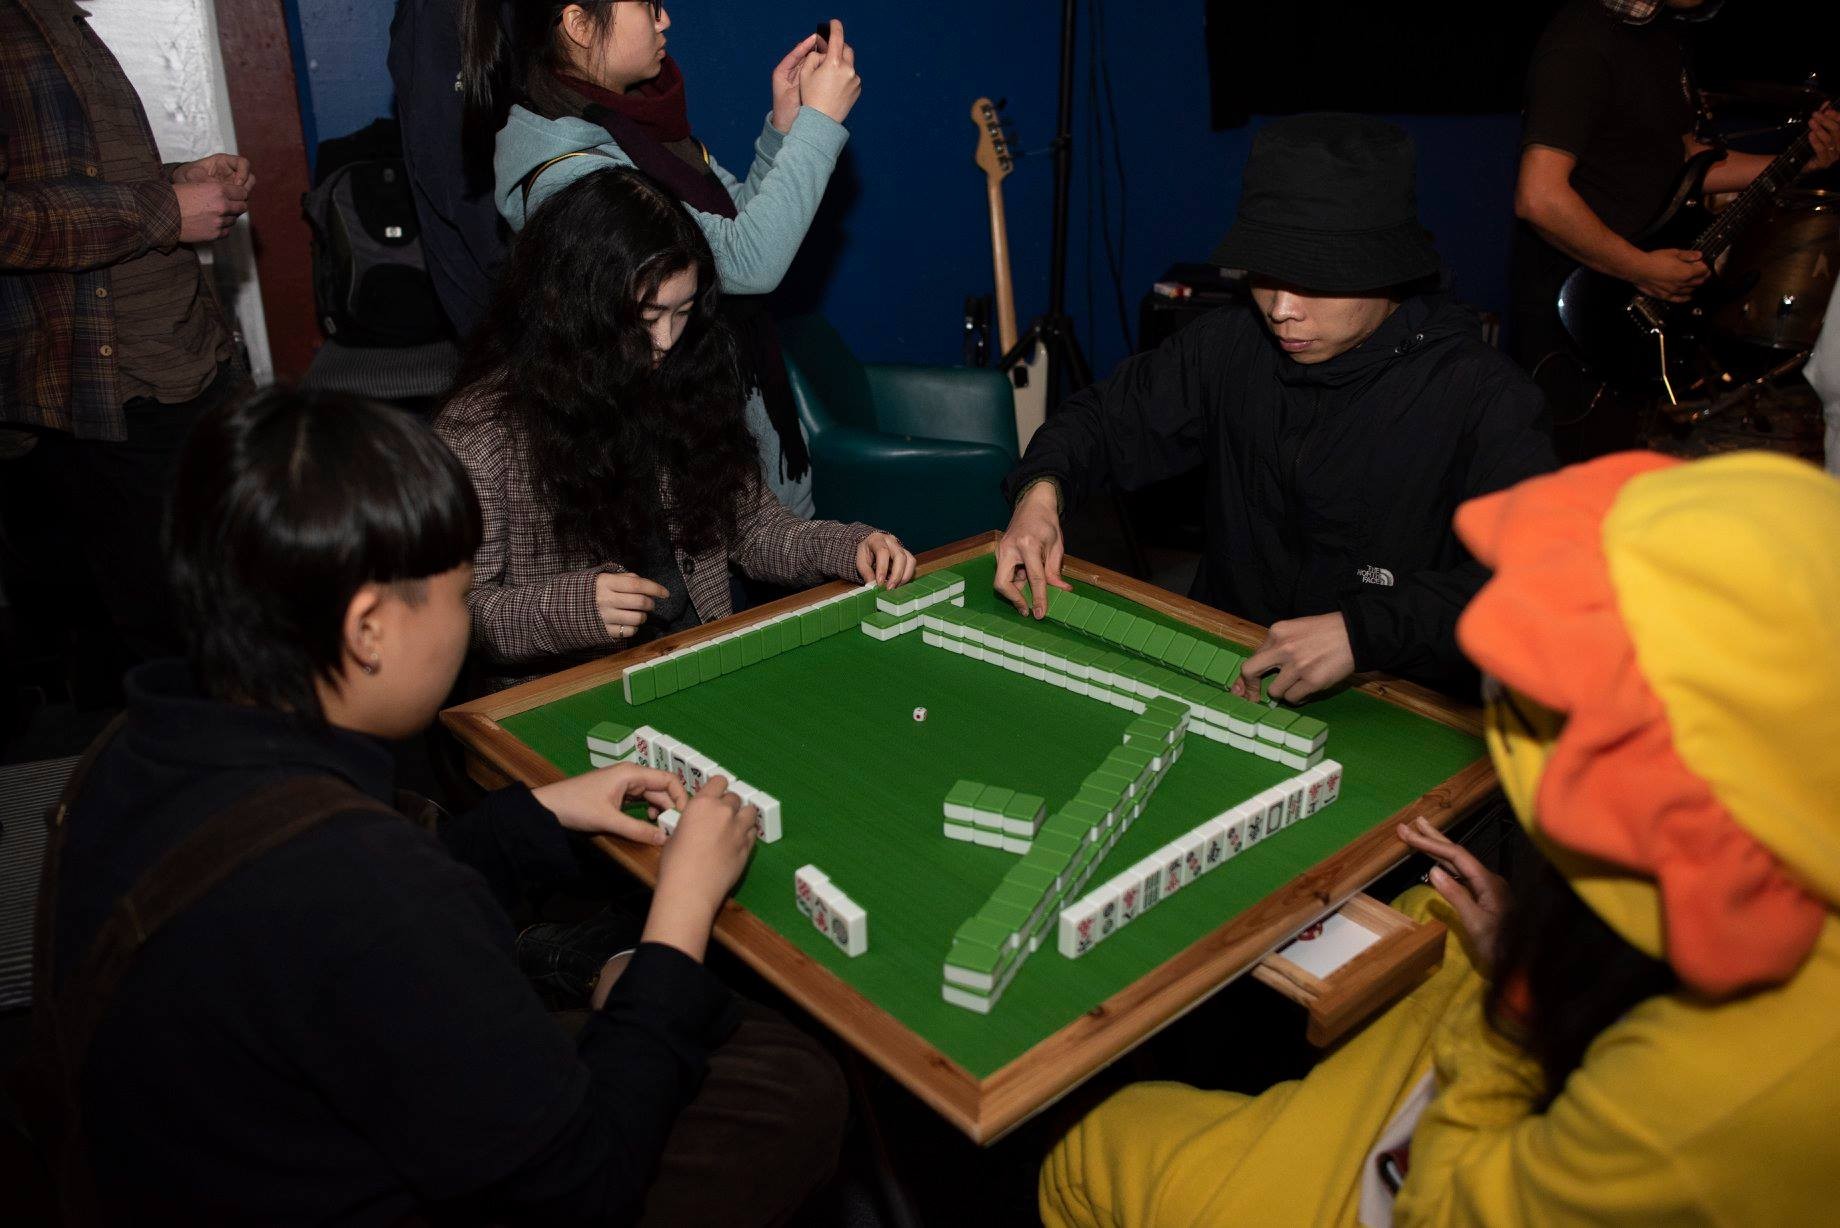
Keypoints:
(828, 729)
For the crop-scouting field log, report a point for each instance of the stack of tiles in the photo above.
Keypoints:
(833, 913)
(923, 593)
(657, 750)
(609, 743)
(1166, 646)
(707, 660)
(989, 949)
(1088, 921)
(1130, 682)
(992, 816)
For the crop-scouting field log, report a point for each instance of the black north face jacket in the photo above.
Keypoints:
(1329, 487)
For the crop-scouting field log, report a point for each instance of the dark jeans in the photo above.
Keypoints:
(108, 501)
(761, 1137)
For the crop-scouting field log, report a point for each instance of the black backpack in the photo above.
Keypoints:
(369, 279)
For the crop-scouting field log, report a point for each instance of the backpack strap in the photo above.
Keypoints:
(46, 928)
(219, 847)
(65, 1018)
(536, 172)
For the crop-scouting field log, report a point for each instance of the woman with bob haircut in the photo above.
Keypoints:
(264, 995)
(600, 416)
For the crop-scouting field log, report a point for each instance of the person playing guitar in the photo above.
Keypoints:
(1608, 128)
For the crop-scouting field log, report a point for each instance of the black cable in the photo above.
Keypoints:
(1104, 124)
(1114, 252)
(1091, 179)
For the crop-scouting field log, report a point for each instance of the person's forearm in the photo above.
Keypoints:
(74, 228)
(514, 842)
(774, 545)
(514, 623)
(647, 1052)
(754, 249)
(1563, 219)
(680, 923)
(1735, 171)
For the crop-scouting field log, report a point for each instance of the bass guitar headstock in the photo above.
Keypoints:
(993, 154)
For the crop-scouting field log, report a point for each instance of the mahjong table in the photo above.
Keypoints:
(812, 702)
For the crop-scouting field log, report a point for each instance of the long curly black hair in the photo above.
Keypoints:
(564, 354)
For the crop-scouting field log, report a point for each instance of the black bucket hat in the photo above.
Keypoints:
(1329, 205)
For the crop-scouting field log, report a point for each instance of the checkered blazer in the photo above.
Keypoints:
(533, 598)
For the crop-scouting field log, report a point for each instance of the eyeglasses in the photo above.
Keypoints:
(656, 6)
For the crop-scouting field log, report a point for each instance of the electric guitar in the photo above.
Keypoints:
(1629, 337)
(1028, 376)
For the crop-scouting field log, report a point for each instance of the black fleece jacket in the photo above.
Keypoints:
(338, 1032)
(1330, 487)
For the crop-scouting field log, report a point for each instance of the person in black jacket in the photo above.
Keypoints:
(1340, 417)
(448, 154)
(337, 1031)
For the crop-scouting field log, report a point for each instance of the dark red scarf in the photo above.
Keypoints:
(645, 121)
(659, 105)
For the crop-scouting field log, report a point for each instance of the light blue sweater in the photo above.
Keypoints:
(775, 204)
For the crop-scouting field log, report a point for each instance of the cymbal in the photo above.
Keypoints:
(1773, 94)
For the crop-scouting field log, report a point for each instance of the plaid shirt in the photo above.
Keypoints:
(533, 598)
(1635, 12)
(72, 214)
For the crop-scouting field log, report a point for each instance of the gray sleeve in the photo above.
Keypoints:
(777, 203)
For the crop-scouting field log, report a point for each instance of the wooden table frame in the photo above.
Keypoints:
(986, 1109)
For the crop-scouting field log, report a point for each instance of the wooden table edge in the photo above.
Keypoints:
(987, 1109)
(1062, 1061)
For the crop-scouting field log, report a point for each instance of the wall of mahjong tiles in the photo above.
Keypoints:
(828, 728)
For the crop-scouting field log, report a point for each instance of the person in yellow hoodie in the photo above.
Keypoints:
(1645, 1028)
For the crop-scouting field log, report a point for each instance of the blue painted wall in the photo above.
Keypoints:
(903, 237)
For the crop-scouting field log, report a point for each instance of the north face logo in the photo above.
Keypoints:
(1376, 575)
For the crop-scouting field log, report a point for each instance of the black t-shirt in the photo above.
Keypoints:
(1615, 96)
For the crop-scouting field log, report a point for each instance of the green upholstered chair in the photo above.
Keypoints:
(918, 451)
